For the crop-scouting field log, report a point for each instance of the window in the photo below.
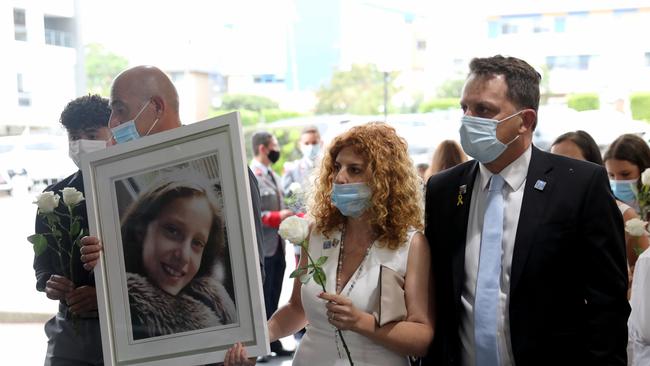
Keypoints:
(421, 44)
(647, 59)
(59, 31)
(267, 79)
(20, 26)
(24, 96)
(572, 62)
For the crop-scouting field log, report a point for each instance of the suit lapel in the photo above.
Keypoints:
(462, 202)
(538, 189)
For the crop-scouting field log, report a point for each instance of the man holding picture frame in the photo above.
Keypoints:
(144, 102)
(134, 116)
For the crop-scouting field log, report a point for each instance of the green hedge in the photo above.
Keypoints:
(583, 101)
(640, 105)
(439, 103)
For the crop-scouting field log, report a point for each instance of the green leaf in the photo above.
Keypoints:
(319, 276)
(74, 230)
(320, 261)
(297, 272)
(306, 277)
(39, 241)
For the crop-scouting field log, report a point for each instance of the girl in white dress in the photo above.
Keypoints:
(367, 213)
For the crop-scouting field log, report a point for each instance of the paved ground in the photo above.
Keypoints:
(22, 339)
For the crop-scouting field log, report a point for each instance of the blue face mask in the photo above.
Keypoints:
(624, 190)
(127, 131)
(478, 137)
(351, 199)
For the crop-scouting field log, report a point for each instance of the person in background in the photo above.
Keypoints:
(367, 216)
(528, 250)
(625, 159)
(639, 323)
(144, 101)
(580, 145)
(422, 170)
(266, 151)
(448, 154)
(78, 341)
(297, 172)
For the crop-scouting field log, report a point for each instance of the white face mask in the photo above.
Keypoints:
(80, 147)
(310, 151)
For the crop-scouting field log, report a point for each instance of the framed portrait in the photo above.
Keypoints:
(179, 279)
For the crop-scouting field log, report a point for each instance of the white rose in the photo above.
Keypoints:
(645, 177)
(47, 202)
(295, 188)
(71, 197)
(294, 229)
(636, 227)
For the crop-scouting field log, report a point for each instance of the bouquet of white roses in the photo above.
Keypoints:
(47, 203)
(296, 230)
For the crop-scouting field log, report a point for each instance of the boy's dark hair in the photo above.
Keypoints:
(87, 112)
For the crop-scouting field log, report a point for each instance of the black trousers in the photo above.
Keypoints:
(274, 267)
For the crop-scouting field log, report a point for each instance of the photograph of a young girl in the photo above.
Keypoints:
(175, 251)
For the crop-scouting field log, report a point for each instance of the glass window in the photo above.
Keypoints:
(20, 26)
(59, 31)
(24, 96)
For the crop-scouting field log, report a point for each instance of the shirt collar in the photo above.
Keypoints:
(257, 165)
(514, 174)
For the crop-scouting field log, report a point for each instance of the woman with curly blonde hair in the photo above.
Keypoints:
(367, 217)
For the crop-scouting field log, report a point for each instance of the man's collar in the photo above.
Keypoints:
(514, 174)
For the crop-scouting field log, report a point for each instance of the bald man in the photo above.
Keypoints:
(143, 102)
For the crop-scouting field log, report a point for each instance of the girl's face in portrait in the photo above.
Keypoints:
(174, 243)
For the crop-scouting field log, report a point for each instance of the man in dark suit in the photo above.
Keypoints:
(266, 151)
(528, 248)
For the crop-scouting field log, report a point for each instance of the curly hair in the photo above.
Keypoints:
(147, 208)
(89, 111)
(396, 202)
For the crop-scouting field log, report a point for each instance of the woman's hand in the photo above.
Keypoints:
(90, 249)
(341, 312)
(236, 356)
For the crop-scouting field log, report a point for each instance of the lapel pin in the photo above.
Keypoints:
(327, 244)
(540, 184)
(461, 191)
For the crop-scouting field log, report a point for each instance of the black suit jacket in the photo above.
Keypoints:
(567, 301)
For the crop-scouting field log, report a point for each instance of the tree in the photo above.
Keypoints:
(101, 68)
(450, 88)
(249, 102)
(358, 91)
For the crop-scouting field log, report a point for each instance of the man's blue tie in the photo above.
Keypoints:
(489, 275)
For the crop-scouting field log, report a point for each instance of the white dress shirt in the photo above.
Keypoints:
(639, 322)
(513, 193)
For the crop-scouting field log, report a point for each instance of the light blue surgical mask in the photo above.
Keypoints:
(478, 137)
(351, 199)
(127, 131)
(624, 190)
(310, 151)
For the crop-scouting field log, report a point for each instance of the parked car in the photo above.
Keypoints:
(43, 159)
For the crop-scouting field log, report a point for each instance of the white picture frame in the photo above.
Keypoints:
(216, 147)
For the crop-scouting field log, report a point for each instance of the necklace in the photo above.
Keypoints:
(339, 267)
(339, 288)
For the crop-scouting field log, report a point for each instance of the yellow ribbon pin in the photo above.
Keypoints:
(460, 200)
